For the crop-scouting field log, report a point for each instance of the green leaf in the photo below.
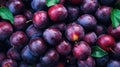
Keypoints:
(115, 17)
(6, 14)
(98, 52)
(51, 2)
(117, 4)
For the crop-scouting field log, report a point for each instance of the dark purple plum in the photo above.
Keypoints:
(103, 14)
(89, 6)
(102, 61)
(2, 57)
(20, 22)
(32, 32)
(115, 32)
(40, 19)
(90, 38)
(37, 46)
(13, 54)
(64, 48)
(57, 12)
(117, 48)
(113, 63)
(89, 62)
(50, 58)
(18, 39)
(74, 32)
(6, 30)
(87, 21)
(81, 50)
(15, 6)
(52, 35)
(100, 29)
(27, 56)
(9, 63)
(116, 54)
(38, 4)
(107, 2)
(73, 13)
(28, 14)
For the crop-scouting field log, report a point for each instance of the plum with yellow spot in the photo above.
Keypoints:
(74, 32)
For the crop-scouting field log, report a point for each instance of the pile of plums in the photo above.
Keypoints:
(61, 35)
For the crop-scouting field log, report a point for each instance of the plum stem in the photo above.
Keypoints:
(112, 50)
(75, 42)
(28, 21)
(13, 47)
(68, 61)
